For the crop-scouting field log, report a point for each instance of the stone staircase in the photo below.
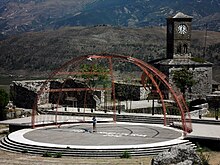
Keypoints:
(13, 146)
(139, 119)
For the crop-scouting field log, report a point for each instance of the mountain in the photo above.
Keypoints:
(17, 16)
(39, 53)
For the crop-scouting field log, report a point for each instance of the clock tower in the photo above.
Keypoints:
(179, 57)
(179, 36)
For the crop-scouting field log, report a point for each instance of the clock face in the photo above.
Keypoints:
(182, 29)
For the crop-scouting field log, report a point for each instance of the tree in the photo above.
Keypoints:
(4, 98)
(98, 75)
(95, 75)
(183, 79)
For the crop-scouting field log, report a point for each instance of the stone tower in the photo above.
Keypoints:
(179, 56)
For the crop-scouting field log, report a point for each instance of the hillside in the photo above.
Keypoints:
(18, 16)
(41, 52)
(47, 50)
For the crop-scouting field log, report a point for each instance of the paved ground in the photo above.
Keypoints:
(207, 131)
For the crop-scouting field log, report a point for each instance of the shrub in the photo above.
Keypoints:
(47, 154)
(57, 155)
(126, 154)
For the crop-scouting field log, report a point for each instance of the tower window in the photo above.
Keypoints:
(185, 48)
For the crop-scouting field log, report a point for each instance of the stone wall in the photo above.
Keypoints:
(203, 78)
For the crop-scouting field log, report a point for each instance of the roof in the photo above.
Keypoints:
(181, 15)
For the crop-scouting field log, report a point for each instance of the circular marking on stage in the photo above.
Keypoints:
(106, 135)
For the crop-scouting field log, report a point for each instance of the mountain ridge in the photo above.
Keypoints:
(18, 16)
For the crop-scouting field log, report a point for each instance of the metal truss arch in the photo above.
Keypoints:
(148, 72)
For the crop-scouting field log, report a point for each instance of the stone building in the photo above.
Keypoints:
(24, 93)
(179, 56)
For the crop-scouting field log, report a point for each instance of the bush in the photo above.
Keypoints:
(47, 154)
(126, 154)
(57, 155)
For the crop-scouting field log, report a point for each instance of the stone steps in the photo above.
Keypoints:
(10, 145)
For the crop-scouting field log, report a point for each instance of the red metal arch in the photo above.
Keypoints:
(148, 72)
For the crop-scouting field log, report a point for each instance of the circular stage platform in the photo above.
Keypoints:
(106, 134)
(109, 139)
